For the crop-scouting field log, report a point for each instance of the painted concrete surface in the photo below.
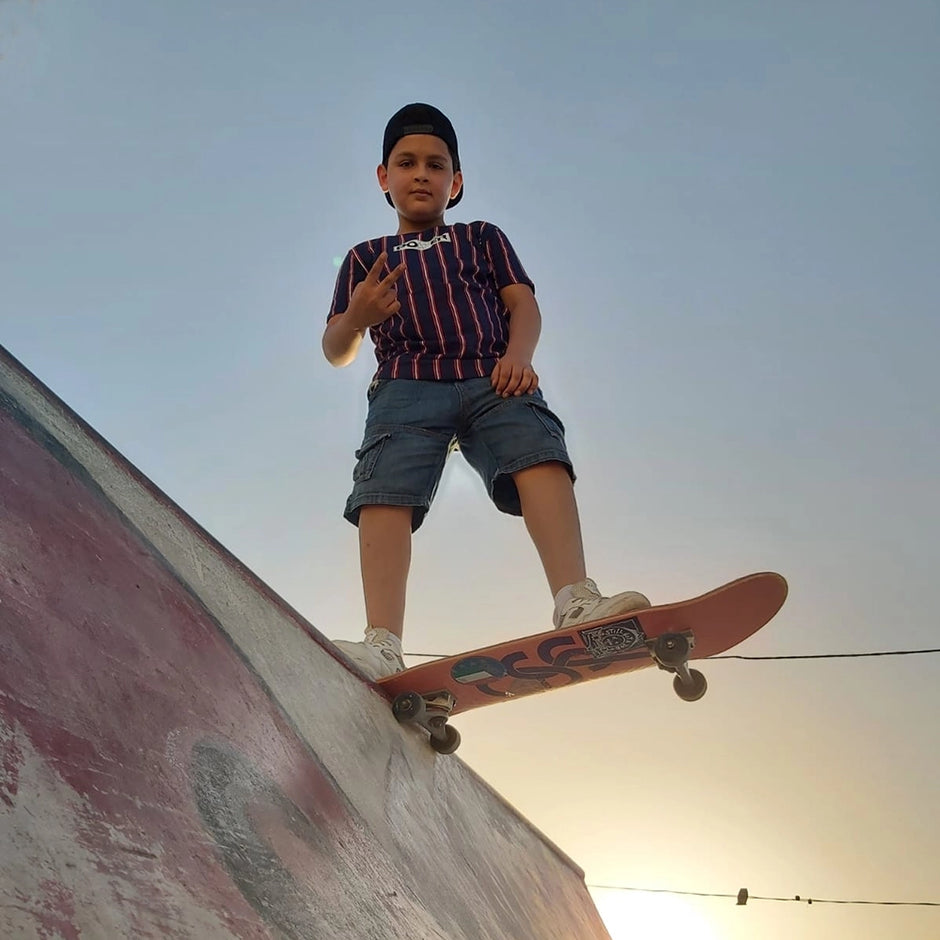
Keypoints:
(181, 755)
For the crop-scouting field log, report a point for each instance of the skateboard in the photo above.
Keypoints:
(668, 636)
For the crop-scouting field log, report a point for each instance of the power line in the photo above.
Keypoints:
(829, 655)
(763, 658)
(743, 896)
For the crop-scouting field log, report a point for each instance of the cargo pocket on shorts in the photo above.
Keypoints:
(367, 457)
(548, 417)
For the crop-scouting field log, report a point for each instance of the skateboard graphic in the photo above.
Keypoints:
(668, 636)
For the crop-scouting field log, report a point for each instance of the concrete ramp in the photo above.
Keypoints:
(181, 755)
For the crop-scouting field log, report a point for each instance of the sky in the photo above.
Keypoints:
(730, 211)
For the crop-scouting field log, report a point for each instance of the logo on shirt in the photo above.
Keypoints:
(418, 245)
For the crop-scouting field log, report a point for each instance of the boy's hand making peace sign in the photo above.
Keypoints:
(375, 299)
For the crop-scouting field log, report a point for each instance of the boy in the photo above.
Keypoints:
(455, 323)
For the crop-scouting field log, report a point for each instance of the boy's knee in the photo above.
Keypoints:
(382, 517)
(545, 469)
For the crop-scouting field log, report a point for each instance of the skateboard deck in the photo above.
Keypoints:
(668, 636)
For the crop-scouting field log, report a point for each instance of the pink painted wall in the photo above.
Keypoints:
(182, 756)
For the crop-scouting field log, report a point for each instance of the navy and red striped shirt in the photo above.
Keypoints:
(452, 323)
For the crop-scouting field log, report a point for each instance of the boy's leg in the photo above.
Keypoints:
(551, 516)
(405, 444)
(385, 557)
(546, 494)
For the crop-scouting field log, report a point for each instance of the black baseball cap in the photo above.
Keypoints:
(420, 118)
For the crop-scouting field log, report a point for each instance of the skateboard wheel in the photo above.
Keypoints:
(408, 706)
(692, 691)
(449, 743)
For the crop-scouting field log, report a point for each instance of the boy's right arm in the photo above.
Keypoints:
(373, 300)
(341, 340)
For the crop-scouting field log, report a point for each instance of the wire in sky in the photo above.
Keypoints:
(743, 896)
(828, 655)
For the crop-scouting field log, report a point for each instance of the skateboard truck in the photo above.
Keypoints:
(431, 712)
(671, 652)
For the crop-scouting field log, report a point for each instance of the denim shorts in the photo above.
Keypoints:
(413, 425)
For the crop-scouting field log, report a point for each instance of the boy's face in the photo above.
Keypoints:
(420, 180)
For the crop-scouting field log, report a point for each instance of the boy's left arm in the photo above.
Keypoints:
(514, 374)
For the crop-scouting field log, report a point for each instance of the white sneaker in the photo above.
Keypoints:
(582, 602)
(378, 655)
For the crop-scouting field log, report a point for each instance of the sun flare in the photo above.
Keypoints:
(630, 915)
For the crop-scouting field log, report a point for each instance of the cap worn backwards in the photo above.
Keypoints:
(420, 118)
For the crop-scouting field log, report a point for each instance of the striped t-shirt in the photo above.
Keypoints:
(452, 323)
